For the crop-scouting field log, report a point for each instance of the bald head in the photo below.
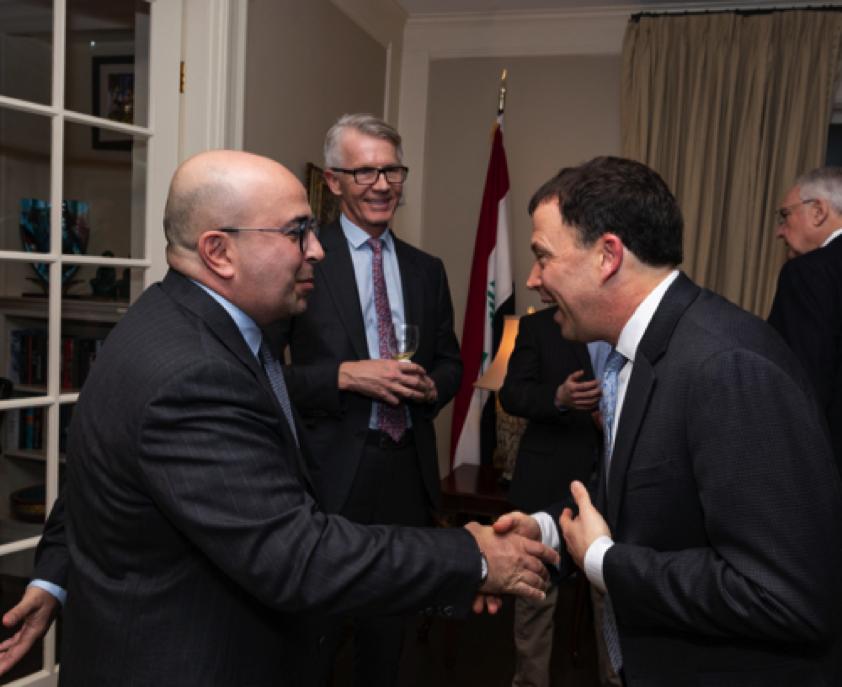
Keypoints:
(231, 221)
(214, 190)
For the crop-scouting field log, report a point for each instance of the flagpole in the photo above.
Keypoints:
(490, 298)
(502, 107)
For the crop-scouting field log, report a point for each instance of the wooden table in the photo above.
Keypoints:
(474, 490)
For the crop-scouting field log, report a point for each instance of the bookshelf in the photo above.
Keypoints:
(23, 465)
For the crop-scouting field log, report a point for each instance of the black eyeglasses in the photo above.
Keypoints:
(368, 176)
(782, 214)
(309, 226)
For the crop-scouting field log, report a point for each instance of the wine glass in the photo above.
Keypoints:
(404, 341)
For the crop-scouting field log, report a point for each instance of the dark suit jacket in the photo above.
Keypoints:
(725, 507)
(332, 331)
(195, 546)
(807, 313)
(557, 447)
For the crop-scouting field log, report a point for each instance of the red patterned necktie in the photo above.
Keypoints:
(390, 419)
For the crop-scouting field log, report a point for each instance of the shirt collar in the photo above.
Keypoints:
(834, 235)
(359, 238)
(247, 326)
(636, 327)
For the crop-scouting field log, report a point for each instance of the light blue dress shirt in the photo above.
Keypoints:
(599, 351)
(361, 256)
(253, 336)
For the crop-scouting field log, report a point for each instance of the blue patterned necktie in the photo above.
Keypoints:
(607, 405)
(279, 386)
(390, 419)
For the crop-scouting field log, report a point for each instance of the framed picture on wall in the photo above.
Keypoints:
(323, 203)
(112, 79)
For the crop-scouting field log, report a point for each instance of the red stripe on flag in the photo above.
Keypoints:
(496, 188)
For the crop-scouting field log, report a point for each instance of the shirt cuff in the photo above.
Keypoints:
(54, 589)
(549, 531)
(593, 561)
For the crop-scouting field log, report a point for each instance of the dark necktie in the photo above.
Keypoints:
(390, 419)
(279, 386)
(607, 405)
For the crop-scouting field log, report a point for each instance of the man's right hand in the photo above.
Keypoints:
(36, 610)
(516, 564)
(577, 395)
(389, 381)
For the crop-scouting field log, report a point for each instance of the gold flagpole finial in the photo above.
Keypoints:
(502, 105)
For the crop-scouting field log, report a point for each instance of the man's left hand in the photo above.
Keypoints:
(428, 388)
(580, 532)
(36, 611)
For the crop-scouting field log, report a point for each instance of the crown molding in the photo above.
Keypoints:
(515, 34)
(541, 32)
(609, 11)
(383, 20)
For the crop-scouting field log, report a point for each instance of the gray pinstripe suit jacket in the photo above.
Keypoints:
(195, 547)
(725, 506)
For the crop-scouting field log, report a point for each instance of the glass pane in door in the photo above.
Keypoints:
(107, 189)
(24, 193)
(26, 38)
(107, 65)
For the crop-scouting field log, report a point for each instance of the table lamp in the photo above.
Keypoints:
(509, 428)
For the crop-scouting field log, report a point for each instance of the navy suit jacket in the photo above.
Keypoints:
(332, 331)
(195, 544)
(807, 313)
(725, 507)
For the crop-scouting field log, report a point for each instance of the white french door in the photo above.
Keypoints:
(89, 139)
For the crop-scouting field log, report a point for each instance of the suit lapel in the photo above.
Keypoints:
(196, 300)
(681, 293)
(336, 276)
(411, 279)
(639, 391)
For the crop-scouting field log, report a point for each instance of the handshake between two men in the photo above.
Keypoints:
(578, 531)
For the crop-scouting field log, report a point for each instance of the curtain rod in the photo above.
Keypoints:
(742, 13)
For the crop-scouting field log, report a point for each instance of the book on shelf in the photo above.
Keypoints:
(28, 358)
(24, 428)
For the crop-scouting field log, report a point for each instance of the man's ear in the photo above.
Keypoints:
(611, 253)
(819, 212)
(333, 182)
(217, 250)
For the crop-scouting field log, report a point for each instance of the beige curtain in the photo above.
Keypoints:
(730, 109)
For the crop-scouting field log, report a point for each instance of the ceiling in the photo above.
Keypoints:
(421, 7)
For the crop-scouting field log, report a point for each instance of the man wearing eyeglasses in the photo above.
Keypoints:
(807, 311)
(370, 418)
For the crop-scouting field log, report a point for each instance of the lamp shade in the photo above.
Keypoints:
(493, 378)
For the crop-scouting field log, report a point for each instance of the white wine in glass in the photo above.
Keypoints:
(404, 342)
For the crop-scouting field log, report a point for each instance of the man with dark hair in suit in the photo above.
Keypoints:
(370, 418)
(188, 536)
(718, 510)
(551, 382)
(807, 311)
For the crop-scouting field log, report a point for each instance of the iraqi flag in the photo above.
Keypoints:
(491, 296)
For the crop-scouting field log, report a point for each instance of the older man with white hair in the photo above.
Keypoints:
(807, 311)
